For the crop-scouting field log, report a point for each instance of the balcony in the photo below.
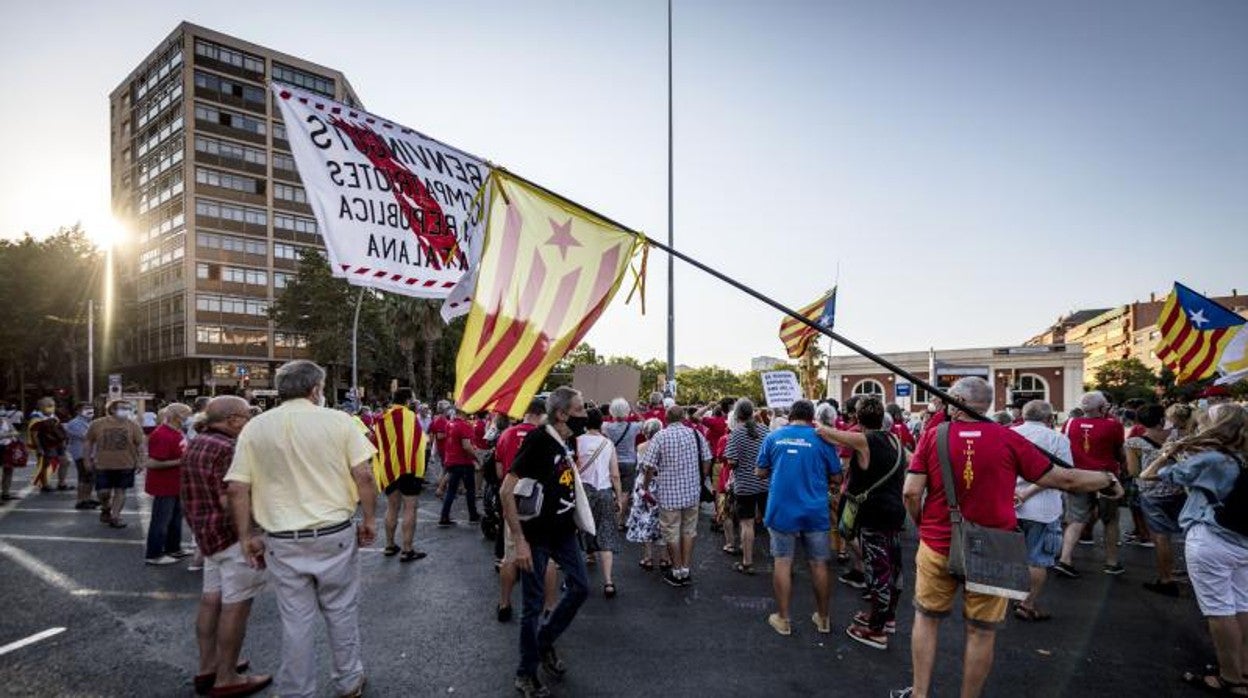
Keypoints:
(230, 194)
(292, 206)
(230, 131)
(229, 100)
(230, 225)
(228, 68)
(254, 168)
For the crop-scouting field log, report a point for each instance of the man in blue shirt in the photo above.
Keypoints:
(801, 467)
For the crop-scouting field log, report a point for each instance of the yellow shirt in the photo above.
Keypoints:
(297, 459)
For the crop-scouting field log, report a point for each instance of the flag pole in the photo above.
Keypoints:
(827, 363)
(671, 262)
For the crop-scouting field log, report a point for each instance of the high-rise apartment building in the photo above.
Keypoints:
(204, 182)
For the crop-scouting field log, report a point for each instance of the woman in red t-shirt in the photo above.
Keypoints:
(165, 447)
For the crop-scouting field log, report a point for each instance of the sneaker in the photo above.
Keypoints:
(445, 523)
(868, 637)
(530, 687)
(1113, 569)
(1145, 543)
(901, 692)
(552, 663)
(686, 579)
(822, 624)
(162, 560)
(504, 614)
(862, 618)
(671, 578)
(195, 566)
(780, 625)
(1170, 589)
(1065, 570)
(853, 578)
(1087, 541)
(179, 554)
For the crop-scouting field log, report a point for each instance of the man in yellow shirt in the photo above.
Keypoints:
(299, 471)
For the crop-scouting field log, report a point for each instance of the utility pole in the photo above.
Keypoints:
(91, 350)
(671, 261)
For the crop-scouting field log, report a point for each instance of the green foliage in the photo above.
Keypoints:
(1124, 379)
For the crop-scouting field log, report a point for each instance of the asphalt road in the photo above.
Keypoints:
(429, 626)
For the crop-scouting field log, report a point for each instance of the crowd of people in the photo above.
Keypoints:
(285, 498)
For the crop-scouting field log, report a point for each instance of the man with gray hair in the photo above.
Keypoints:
(677, 458)
(300, 470)
(547, 534)
(1039, 509)
(986, 458)
(1096, 443)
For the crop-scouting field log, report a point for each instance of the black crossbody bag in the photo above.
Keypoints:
(988, 560)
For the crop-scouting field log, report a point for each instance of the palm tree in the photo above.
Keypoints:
(416, 321)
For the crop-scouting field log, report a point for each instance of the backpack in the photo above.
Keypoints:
(1232, 512)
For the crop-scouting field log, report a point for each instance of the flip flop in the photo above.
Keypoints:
(731, 550)
(646, 565)
(410, 555)
(390, 550)
(744, 568)
(608, 590)
(1220, 686)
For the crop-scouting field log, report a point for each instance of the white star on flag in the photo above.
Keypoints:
(825, 320)
(1198, 318)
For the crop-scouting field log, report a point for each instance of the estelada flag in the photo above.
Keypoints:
(797, 335)
(548, 270)
(400, 445)
(1195, 331)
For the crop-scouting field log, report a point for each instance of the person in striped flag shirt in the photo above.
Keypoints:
(400, 470)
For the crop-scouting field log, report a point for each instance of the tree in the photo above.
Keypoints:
(708, 384)
(561, 373)
(1124, 379)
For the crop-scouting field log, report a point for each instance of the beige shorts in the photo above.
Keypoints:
(678, 523)
(227, 573)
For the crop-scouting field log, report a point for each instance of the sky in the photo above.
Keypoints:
(971, 170)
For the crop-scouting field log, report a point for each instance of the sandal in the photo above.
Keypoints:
(1027, 613)
(842, 557)
(1220, 686)
(731, 549)
(390, 550)
(646, 564)
(410, 555)
(744, 568)
(608, 590)
(665, 564)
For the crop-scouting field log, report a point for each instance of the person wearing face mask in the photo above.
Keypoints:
(76, 429)
(112, 450)
(165, 447)
(47, 435)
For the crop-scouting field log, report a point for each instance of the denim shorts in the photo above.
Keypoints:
(817, 544)
(1162, 513)
(1044, 541)
(114, 479)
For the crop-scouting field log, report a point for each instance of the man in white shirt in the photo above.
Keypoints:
(1039, 508)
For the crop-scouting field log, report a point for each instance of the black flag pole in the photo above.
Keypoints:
(757, 295)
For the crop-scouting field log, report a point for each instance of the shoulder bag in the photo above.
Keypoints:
(849, 524)
(705, 493)
(988, 560)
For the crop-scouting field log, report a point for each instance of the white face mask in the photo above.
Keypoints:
(124, 413)
(931, 407)
(88, 414)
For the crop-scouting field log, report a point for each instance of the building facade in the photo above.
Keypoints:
(1126, 331)
(204, 183)
(1052, 373)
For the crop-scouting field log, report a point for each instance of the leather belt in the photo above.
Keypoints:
(312, 532)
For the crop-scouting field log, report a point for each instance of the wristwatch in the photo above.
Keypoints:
(1112, 481)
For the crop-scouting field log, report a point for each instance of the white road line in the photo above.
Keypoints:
(71, 539)
(75, 512)
(13, 646)
(38, 568)
(12, 505)
(154, 595)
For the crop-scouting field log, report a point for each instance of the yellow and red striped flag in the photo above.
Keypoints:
(1194, 333)
(796, 335)
(400, 446)
(548, 270)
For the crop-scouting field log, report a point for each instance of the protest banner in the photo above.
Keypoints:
(398, 211)
(781, 388)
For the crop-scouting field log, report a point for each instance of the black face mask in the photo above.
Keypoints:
(577, 425)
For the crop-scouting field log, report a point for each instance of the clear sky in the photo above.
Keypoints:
(976, 169)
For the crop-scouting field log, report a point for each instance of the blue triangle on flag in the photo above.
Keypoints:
(1203, 313)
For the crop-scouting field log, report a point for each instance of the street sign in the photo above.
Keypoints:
(903, 389)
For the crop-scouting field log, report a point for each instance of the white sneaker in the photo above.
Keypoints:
(162, 560)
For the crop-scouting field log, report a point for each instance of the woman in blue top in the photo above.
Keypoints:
(1208, 464)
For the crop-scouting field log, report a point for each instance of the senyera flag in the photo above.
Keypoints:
(401, 445)
(1199, 337)
(548, 270)
(797, 335)
(399, 211)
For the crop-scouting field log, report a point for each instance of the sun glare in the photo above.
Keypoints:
(105, 231)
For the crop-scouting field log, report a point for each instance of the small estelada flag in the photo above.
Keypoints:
(1195, 331)
(796, 335)
(548, 270)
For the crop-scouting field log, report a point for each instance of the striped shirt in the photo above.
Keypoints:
(742, 453)
(400, 446)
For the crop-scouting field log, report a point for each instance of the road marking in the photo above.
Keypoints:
(77, 512)
(13, 504)
(38, 568)
(154, 595)
(71, 539)
(13, 646)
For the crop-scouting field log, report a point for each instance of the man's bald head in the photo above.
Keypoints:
(221, 408)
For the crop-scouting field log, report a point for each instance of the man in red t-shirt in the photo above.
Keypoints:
(657, 410)
(1096, 442)
(165, 447)
(460, 462)
(504, 455)
(986, 459)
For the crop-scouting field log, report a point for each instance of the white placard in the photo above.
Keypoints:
(398, 210)
(781, 388)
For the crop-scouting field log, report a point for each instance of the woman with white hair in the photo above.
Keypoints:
(623, 431)
(643, 518)
(165, 447)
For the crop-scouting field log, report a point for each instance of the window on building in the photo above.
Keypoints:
(1029, 386)
(282, 161)
(229, 243)
(869, 387)
(284, 251)
(290, 340)
(298, 224)
(229, 56)
(281, 279)
(304, 79)
(229, 151)
(289, 192)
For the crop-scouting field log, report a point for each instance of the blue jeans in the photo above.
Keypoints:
(164, 531)
(536, 635)
(455, 475)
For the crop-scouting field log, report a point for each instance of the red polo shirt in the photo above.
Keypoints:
(1096, 443)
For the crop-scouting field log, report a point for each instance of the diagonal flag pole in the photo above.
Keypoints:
(757, 295)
